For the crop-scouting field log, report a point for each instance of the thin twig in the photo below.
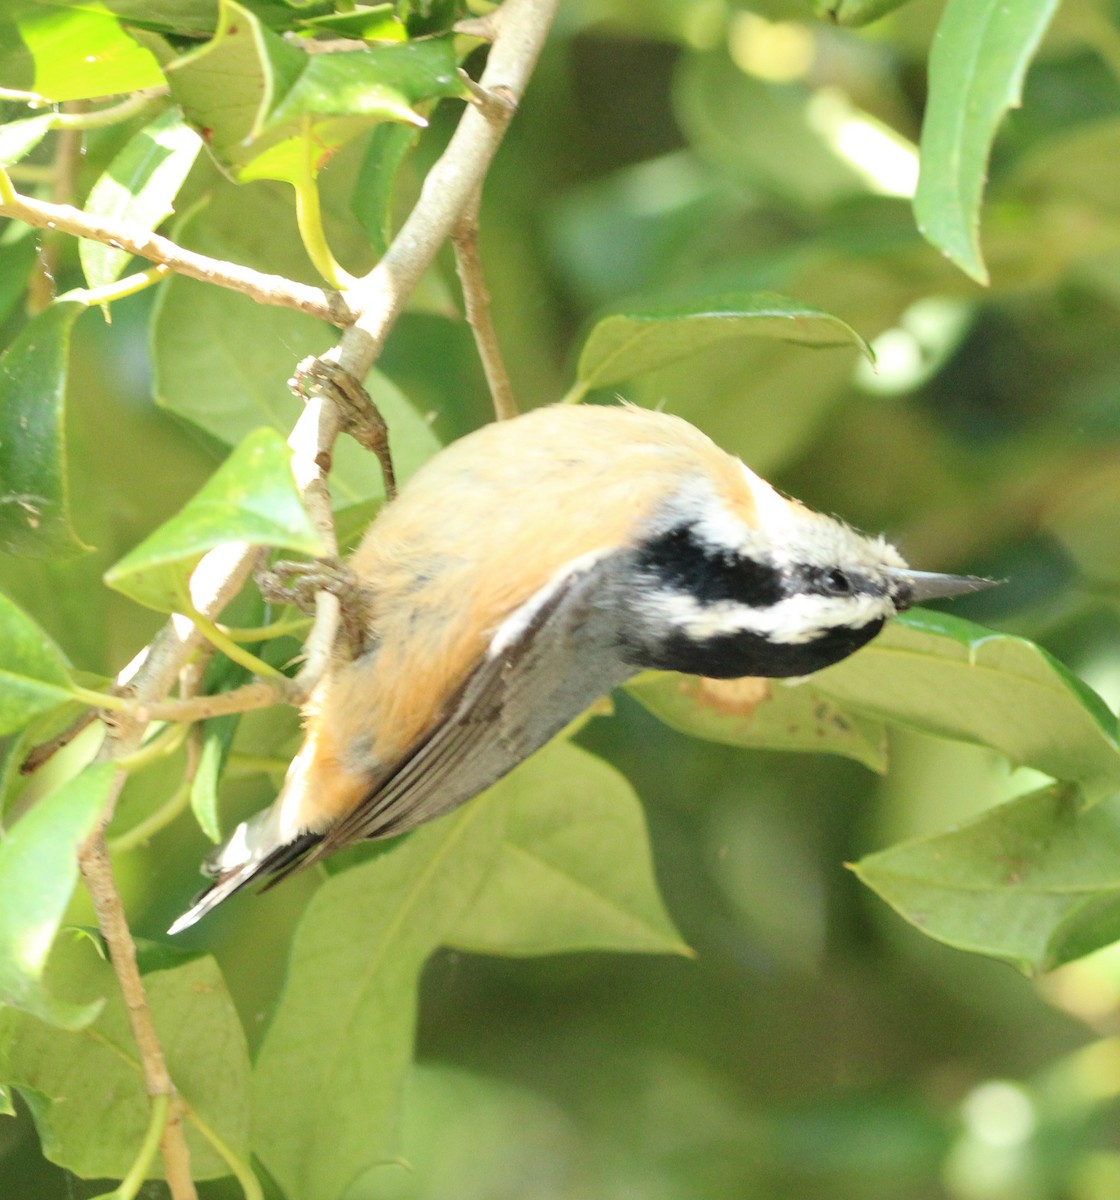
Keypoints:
(476, 301)
(243, 699)
(41, 754)
(97, 871)
(312, 444)
(114, 114)
(259, 286)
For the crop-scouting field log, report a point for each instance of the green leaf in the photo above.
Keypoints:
(945, 676)
(762, 714)
(245, 352)
(184, 18)
(67, 1078)
(217, 737)
(138, 189)
(627, 344)
(574, 871)
(377, 23)
(338, 96)
(34, 506)
(854, 12)
(38, 873)
(33, 675)
(251, 498)
(382, 82)
(17, 260)
(283, 96)
(227, 87)
(1035, 882)
(18, 138)
(976, 70)
(71, 55)
(364, 938)
(7, 1108)
(372, 199)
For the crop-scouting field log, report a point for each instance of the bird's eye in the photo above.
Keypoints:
(838, 582)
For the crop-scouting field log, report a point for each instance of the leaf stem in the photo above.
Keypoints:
(309, 214)
(113, 115)
(263, 633)
(216, 637)
(131, 1184)
(241, 1170)
(575, 393)
(104, 700)
(108, 292)
(167, 741)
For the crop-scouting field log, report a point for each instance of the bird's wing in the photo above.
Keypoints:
(552, 658)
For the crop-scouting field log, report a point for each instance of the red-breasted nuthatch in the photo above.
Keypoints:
(525, 571)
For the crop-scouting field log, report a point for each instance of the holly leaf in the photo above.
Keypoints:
(60, 54)
(456, 881)
(285, 103)
(34, 486)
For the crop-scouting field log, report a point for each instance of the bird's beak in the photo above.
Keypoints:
(928, 585)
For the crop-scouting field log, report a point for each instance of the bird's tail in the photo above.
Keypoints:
(248, 853)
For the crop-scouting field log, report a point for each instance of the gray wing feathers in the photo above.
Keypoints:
(558, 658)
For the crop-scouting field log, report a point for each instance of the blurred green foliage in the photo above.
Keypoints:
(816, 1045)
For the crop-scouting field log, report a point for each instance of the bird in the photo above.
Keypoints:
(523, 572)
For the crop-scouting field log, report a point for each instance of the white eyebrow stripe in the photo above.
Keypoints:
(792, 621)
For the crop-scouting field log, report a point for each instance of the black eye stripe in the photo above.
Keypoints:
(683, 562)
(832, 581)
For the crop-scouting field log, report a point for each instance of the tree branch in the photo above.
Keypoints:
(476, 300)
(257, 285)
